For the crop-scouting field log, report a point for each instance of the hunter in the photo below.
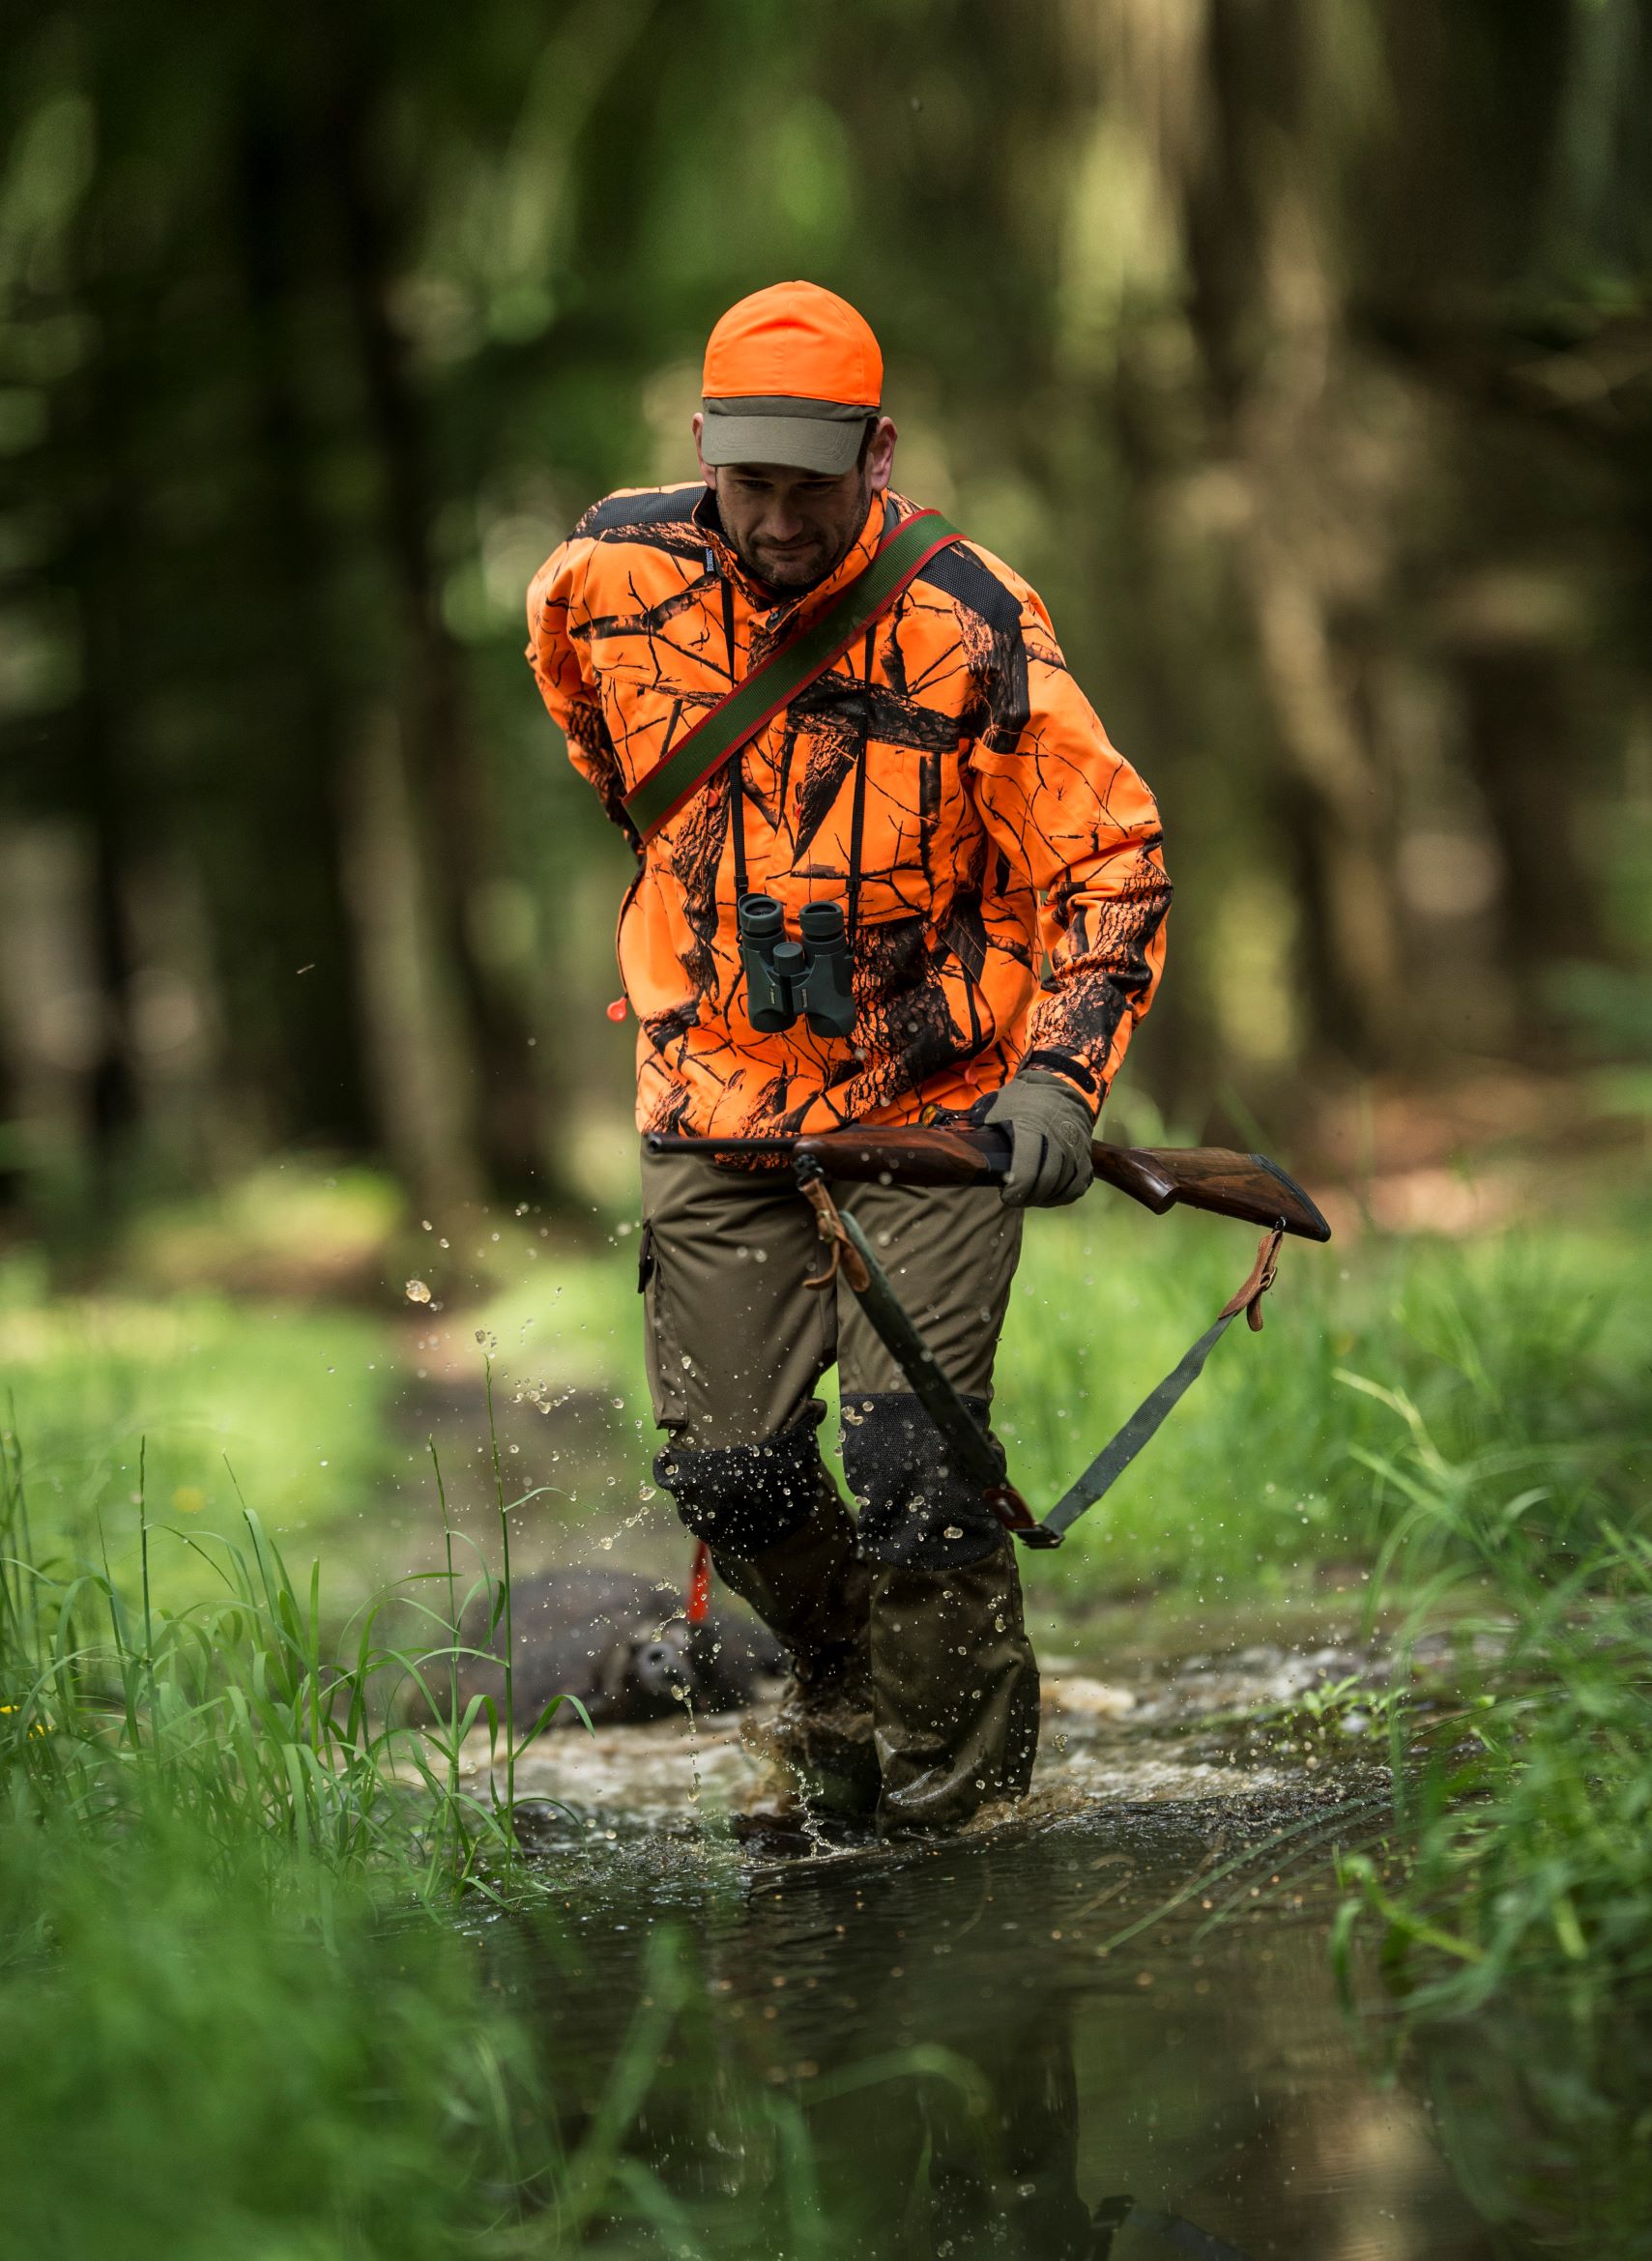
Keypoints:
(937, 829)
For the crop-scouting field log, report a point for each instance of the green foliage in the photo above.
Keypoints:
(241, 1719)
(192, 2071)
(201, 1829)
(1516, 1351)
(1269, 1466)
(241, 2010)
(1526, 1904)
(1534, 1859)
(1349, 543)
(287, 1403)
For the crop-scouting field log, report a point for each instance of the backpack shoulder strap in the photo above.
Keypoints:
(761, 695)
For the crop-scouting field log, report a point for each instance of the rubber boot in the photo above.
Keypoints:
(954, 1693)
(814, 1594)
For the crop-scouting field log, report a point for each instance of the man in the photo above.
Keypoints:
(947, 784)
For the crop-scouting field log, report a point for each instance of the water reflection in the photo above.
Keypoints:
(974, 2077)
(1541, 2107)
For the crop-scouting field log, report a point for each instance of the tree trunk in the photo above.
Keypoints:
(320, 1039)
(1519, 735)
(446, 765)
(103, 570)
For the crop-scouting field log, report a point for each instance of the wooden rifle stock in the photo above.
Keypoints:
(1228, 1185)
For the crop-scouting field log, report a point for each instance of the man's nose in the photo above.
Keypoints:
(783, 521)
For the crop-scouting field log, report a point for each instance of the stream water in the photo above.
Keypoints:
(1109, 2027)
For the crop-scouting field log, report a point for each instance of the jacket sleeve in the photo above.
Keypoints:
(1076, 823)
(559, 657)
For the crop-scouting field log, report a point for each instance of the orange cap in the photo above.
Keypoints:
(792, 375)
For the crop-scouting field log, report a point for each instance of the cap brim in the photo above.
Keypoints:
(801, 443)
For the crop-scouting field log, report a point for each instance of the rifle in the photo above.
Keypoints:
(1215, 1178)
(1228, 1185)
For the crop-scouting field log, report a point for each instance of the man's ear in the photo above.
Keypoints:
(697, 427)
(880, 455)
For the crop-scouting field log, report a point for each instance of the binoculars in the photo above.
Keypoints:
(784, 978)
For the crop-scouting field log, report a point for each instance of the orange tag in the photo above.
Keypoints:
(700, 1586)
(616, 1010)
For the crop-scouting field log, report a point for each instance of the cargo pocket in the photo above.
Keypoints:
(662, 1346)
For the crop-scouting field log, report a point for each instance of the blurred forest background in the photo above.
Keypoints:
(1300, 353)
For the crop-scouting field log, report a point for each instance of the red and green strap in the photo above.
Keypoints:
(772, 687)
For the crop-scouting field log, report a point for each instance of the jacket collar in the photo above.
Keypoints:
(758, 595)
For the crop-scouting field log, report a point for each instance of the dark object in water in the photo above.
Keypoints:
(617, 1642)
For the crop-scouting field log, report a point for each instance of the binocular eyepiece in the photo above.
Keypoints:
(785, 979)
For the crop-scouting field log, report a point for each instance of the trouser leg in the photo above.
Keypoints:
(736, 1345)
(811, 1589)
(954, 1681)
(954, 1691)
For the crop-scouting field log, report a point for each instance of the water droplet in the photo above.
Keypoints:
(417, 1291)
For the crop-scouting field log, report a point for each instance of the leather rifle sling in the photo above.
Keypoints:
(761, 695)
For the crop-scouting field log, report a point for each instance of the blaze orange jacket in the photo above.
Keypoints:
(999, 824)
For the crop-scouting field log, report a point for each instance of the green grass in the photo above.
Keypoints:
(193, 2069)
(1516, 1938)
(1259, 1475)
(224, 1883)
(288, 1403)
(1265, 1467)
(238, 2011)
(212, 2039)
(1258, 1482)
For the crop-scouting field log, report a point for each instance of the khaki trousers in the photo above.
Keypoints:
(737, 1345)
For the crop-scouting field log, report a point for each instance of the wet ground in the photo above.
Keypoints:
(1106, 2027)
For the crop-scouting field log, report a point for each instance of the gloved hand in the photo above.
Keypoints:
(1051, 1129)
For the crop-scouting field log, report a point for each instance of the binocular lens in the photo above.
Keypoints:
(821, 923)
(760, 919)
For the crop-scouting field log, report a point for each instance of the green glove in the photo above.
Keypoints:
(1051, 1129)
